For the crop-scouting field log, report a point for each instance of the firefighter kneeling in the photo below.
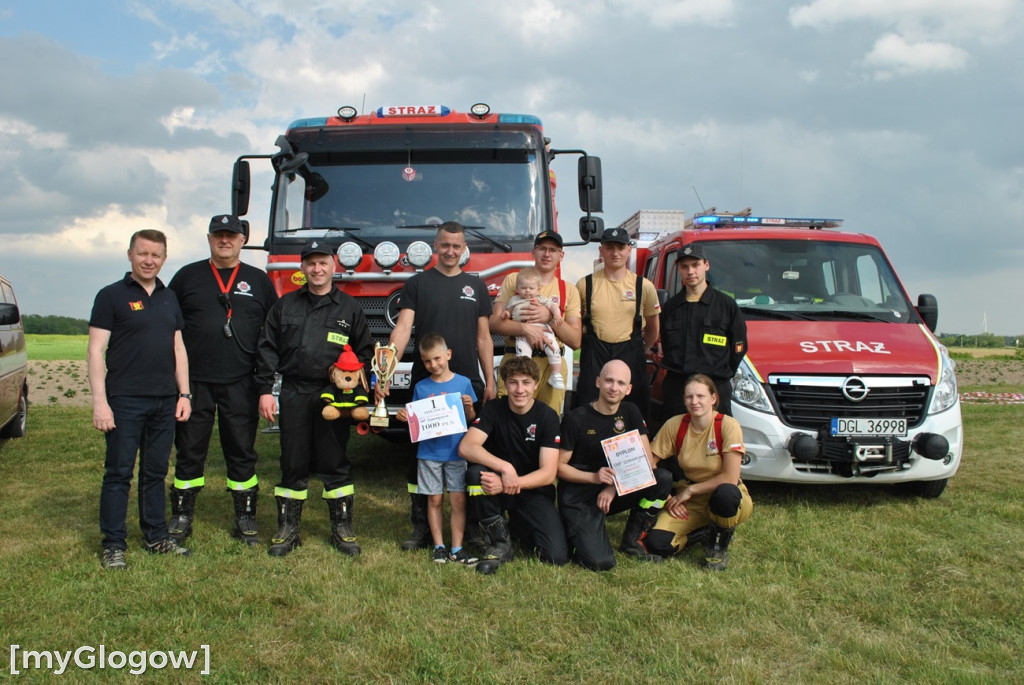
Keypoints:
(704, 450)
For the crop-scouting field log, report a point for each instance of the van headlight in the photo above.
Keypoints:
(748, 391)
(945, 394)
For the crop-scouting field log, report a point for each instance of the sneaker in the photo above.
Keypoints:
(556, 381)
(113, 560)
(463, 557)
(440, 555)
(167, 546)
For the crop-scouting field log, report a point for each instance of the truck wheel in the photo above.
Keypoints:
(19, 424)
(928, 489)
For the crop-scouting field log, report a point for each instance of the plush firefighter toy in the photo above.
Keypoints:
(348, 393)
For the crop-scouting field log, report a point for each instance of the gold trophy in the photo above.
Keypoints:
(384, 363)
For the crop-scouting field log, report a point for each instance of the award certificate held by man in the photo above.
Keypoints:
(628, 459)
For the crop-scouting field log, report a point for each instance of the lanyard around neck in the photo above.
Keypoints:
(225, 289)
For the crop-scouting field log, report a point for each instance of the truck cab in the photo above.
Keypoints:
(844, 380)
(375, 186)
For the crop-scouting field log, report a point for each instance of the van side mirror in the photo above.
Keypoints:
(9, 314)
(928, 310)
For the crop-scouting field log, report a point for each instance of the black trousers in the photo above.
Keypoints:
(672, 395)
(533, 519)
(595, 353)
(236, 408)
(585, 522)
(311, 445)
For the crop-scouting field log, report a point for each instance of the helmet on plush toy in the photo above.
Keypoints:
(348, 361)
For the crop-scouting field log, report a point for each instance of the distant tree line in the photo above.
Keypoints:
(980, 340)
(54, 325)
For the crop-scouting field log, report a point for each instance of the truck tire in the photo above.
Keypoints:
(928, 489)
(19, 424)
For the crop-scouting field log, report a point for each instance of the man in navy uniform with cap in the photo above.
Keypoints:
(224, 303)
(702, 331)
(305, 334)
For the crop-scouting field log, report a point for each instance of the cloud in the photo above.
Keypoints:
(949, 18)
(892, 55)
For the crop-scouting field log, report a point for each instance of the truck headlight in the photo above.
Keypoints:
(748, 391)
(945, 395)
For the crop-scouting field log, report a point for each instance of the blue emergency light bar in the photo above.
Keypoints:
(723, 221)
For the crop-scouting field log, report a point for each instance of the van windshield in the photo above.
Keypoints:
(806, 280)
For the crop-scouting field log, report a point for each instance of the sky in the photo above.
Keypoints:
(902, 117)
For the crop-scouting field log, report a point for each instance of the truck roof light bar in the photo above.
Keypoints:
(729, 221)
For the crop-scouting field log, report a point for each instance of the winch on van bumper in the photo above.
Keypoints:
(809, 452)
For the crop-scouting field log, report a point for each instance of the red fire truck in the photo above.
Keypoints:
(843, 381)
(376, 186)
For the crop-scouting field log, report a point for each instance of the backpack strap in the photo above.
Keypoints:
(588, 286)
(684, 427)
(561, 297)
(638, 320)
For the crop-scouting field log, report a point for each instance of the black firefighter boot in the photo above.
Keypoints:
(343, 538)
(287, 538)
(183, 508)
(245, 516)
(497, 545)
(420, 538)
(637, 525)
(716, 547)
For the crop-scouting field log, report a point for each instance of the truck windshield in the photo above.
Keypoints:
(399, 195)
(806, 280)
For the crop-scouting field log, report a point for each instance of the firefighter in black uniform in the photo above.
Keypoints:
(512, 450)
(303, 336)
(586, 484)
(225, 303)
(702, 331)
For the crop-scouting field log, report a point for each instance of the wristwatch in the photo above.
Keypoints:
(186, 395)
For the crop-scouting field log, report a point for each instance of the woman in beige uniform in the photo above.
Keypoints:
(703, 449)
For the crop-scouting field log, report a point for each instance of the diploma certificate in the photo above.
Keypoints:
(627, 458)
(433, 417)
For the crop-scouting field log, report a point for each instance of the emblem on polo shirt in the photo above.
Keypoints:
(137, 306)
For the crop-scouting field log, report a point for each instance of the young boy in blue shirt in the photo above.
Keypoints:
(439, 465)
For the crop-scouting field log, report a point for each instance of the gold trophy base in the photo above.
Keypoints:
(378, 420)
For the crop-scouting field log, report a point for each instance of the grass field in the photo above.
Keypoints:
(56, 347)
(826, 584)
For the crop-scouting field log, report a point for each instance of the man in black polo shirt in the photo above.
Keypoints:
(512, 448)
(225, 303)
(138, 374)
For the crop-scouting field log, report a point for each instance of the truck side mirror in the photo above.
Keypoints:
(591, 227)
(928, 310)
(240, 187)
(589, 172)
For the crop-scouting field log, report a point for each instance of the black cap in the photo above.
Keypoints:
(227, 222)
(548, 235)
(692, 251)
(615, 235)
(316, 246)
